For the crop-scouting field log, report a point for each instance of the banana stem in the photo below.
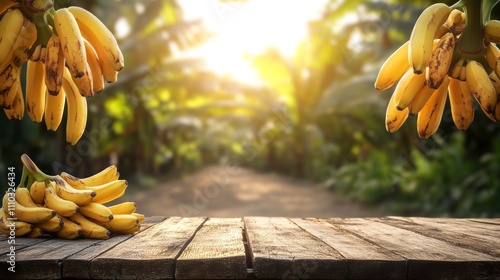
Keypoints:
(472, 36)
(33, 170)
(24, 175)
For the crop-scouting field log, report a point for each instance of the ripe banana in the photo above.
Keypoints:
(54, 109)
(481, 87)
(492, 53)
(35, 232)
(492, 31)
(106, 175)
(9, 85)
(10, 27)
(140, 217)
(16, 109)
(95, 66)
(89, 229)
(53, 225)
(35, 90)
(37, 192)
(393, 68)
(73, 47)
(123, 208)
(122, 224)
(20, 228)
(63, 207)
(65, 191)
(109, 191)
(108, 73)
(23, 196)
(29, 214)
(77, 110)
(430, 116)
(394, 118)
(407, 88)
(422, 36)
(69, 230)
(97, 212)
(419, 100)
(54, 65)
(461, 103)
(440, 60)
(99, 36)
(7, 4)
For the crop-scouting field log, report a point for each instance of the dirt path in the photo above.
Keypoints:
(220, 191)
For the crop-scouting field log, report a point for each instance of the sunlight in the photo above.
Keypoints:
(248, 28)
(122, 28)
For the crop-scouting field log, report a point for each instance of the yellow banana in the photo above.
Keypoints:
(62, 206)
(54, 65)
(65, 191)
(26, 38)
(89, 229)
(54, 109)
(481, 87)
(95, 67)
(52, 225)
(430, 116)
(422, 36)
(9, 84)
(37, 192)
(23, 196)
(461, 103)
(69, 230)
(456, 69)
(492, 53)
(394, 118)
(407, 88)
(97, 212)
(77, 110)
(492, 31)
(16, 110)
(7, 225)
(106, 175)
(99, 37)
(122, 224)
(393, 68)
(419, 100)
(123, 208)
(7, 4)
(73, 47)
(35, 232)
(35, 90)
(440, 60)
(29, 214)
(109, 191)
(10, 27)
(140, 217)
(108, 73)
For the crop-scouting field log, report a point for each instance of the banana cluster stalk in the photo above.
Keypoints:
(68, 207)
(436, 63)
(69, 56)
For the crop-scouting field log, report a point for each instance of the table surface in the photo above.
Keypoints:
(270, 248)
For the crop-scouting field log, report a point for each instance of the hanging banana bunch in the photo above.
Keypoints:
(69, 54)
(451, 53)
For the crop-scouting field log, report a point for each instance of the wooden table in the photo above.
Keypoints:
(271, 248)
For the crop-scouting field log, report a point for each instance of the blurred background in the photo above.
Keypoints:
(265, 107)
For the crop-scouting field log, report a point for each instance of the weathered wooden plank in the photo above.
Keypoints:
(281, 249)
(428, 258)
(78, 266)
(455, 233)
(487, 221)
(149, 254)
(365, 260)
(21, 243)
(216, 252)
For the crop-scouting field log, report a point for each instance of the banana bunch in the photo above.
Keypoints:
(69, 54)
(450, 54)
(68, 207)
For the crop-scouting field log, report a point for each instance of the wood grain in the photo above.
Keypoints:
(281, 249)
(216, 252)
(149, 254)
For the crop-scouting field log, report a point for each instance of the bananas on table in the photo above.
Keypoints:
(451, 52)
(66, 206)
(69, 54)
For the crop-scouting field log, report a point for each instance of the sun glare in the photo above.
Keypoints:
(248, 28)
